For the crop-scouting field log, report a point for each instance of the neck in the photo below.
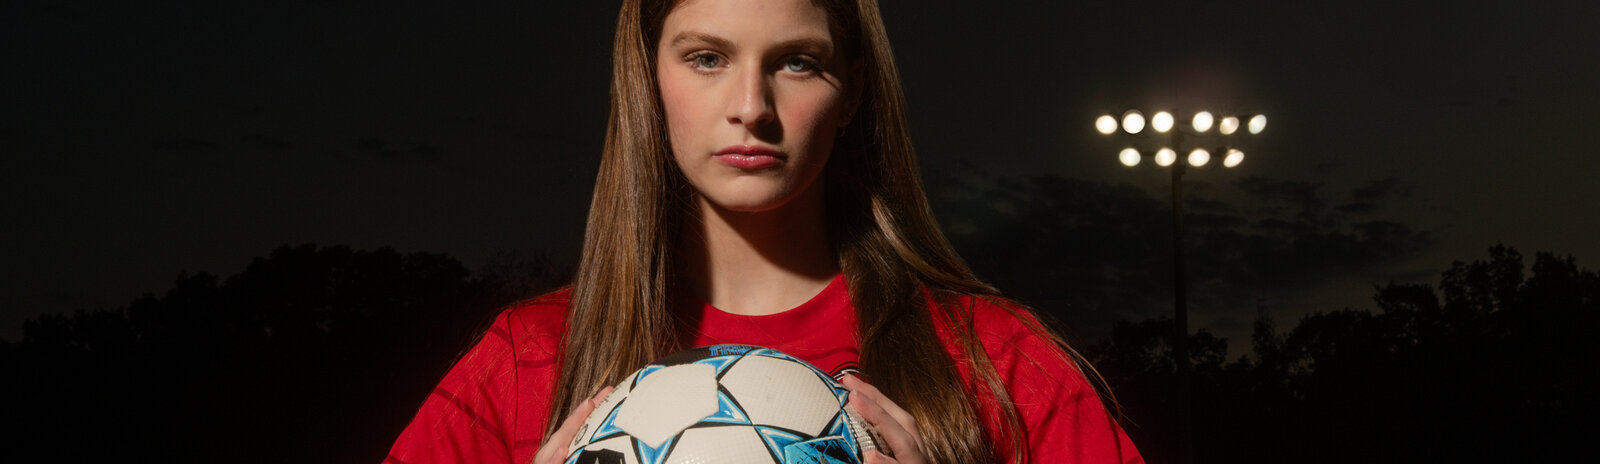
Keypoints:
(759, 263)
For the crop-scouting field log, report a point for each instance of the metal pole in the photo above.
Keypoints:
(1180, 349)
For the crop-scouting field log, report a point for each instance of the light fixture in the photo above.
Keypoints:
(1258, 123)
(1130, 157)
(1228, 125)
(1161, 122)
(1233, 159)
(1165, 157)
(1199, 157)
(1133, 121)
(1202, 121)
(1106, 124)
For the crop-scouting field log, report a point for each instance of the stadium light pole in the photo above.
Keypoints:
(1133, 127)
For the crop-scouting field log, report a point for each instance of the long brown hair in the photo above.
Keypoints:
(891, 250)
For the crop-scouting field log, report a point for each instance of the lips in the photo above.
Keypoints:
(749, 157)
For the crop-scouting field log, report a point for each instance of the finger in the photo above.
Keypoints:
(600, 395)
(568, 430)
(897, 440)
(877, 457)
(905, 419)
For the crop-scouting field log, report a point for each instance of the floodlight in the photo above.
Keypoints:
(1106, 124)
(1233, 159)
(1165, 157)
(1133, 121)
(1202, 121)
(1130, 157)
(1161, 122)
(1228, 125)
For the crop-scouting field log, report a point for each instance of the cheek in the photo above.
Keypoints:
(673, 102)
(685, 108)
(811, 113)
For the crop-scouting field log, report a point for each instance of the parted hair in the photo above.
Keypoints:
(889, 247)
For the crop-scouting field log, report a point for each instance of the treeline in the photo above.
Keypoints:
(1494, 364)
(320, 354)
(311, 354)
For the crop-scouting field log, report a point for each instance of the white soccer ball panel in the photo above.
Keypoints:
(806, 404)
(731, 444)
(668, 400)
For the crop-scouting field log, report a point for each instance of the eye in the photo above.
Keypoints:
(800, 64)
(705, 61)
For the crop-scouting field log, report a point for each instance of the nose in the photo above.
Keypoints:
(751, 103)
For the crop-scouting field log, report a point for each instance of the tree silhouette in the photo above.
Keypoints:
(320, 354)
(1487, 366)
(309, 354)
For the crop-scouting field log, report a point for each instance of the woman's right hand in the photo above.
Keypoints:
(554, 450)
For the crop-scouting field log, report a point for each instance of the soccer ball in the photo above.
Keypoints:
(724, 404)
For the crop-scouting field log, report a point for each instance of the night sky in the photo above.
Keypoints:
(143, 140)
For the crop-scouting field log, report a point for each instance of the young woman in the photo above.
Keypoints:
(758, 186)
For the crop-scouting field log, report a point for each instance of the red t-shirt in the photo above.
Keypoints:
(491, 407)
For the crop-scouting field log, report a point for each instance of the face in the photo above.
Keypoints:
(753, 96)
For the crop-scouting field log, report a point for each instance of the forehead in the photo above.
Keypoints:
(747, 20)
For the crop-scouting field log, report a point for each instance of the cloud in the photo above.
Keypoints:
(1364, 200)
(1381, 189)
(1358, 208)
(1293, 240)
(1089, 253)
(1304, 197)
(1084, 253)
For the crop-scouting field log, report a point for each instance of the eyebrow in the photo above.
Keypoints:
(695, 36)
(800, 43)
(819, 45)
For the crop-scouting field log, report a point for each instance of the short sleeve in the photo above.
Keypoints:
(468, 416)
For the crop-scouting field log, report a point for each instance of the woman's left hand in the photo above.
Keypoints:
(900, 443)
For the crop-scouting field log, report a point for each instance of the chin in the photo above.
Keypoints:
(749, 200)
(744, 205)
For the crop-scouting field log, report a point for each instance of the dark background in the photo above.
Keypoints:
(441, 157)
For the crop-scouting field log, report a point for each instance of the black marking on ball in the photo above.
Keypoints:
(601, 457)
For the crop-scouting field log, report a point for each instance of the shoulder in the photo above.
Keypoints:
(1059, 410)
(999, 320)
(1023, 351)
(533, 313)
(479, 411)
(535, 325)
